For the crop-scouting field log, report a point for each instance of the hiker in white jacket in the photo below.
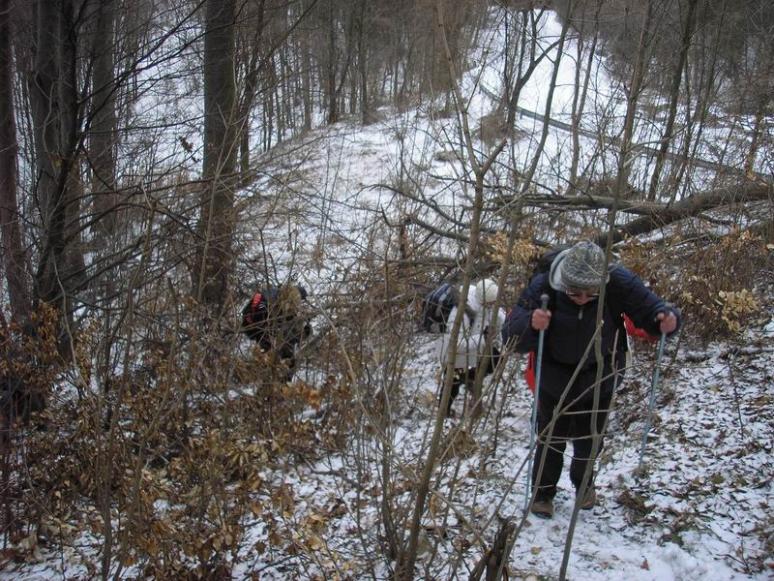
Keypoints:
(471, 341)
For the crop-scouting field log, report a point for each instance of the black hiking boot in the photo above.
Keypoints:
(543, 507)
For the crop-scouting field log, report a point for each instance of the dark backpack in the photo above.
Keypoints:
(436, 307)
(265, 321)
(255, 314)
(438, 304)
(544, 261)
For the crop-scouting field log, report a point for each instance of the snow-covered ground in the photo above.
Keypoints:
(701, 509)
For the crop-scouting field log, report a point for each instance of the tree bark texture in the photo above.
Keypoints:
(13, 255)
(216, 225)
(102, 137)
(54, 98)
(694, 206)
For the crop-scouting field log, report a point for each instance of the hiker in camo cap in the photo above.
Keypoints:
(569, 365)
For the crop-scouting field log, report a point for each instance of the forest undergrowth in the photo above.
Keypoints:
(201, 461)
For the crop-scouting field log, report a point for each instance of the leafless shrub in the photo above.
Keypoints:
(166, 459)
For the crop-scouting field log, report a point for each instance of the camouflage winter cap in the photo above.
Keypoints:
(583, 266)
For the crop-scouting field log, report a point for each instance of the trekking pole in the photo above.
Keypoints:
(533, 426)
(652, 404)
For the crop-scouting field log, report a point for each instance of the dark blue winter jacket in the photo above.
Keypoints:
(572, 328)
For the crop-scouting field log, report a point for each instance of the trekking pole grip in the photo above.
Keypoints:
(544, 301)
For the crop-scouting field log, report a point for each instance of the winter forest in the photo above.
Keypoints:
(163, 160)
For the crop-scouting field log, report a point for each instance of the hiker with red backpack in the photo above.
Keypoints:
(272, 318)
(470, 349)
(572, 288)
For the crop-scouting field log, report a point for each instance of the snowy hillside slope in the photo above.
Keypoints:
(701, 510)
(339, 182)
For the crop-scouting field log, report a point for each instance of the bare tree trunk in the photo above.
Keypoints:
(276, 93)
(523, 77)
(54, 96)
(13, 256)
(632, 98)
(285, 97)
(674, 99)
(252, 70)
(693, 206)
(45, 114)
(74, 275)
(306, 81)
(216, 225)
(549, 101)
(579, 100)
(758, 129)
(331, 64)
(496, 558)
(337, 59)
(760, 94)
(362, 64)
(102, 136)
(705, 90)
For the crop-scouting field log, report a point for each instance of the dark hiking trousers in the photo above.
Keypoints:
(461, 377)
(467, 377)
(574, 425)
